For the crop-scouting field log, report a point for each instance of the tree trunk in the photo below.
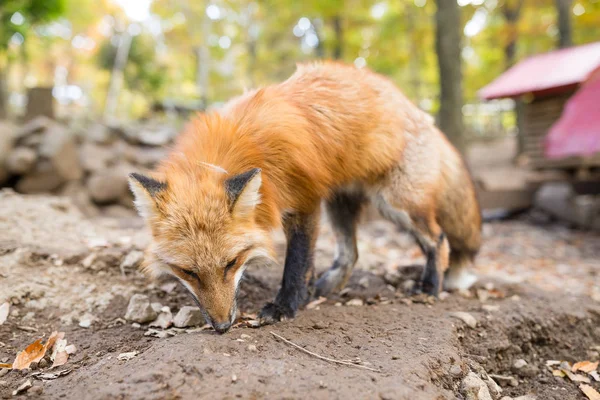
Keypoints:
(3, 94)
(203, 66)
(511, 15)
(565, 31)
(448, 49)
(338, 50)
(116, 76)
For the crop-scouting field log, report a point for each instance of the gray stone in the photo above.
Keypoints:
(107, 186)
(95, 158)
(21, 160)
(43, 179)
(60, 148)
(518, 364)
(164, 319)
(139, 309)
(188, 316)
(132, 260)
(473, 388)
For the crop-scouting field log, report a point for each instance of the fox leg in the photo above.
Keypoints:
(298, 273)
(429, 237)
(343, 210)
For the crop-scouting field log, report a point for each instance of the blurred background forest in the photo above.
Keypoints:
(116, 58)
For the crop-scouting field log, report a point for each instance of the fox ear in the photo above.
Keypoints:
(243, 191)
(145, 190)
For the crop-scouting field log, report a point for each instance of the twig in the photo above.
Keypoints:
(322, 357)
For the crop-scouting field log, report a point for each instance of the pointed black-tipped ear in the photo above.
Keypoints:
(145, 190)
(243, 191)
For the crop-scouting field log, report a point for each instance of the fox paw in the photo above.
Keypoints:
(273, 313)
(331, 281)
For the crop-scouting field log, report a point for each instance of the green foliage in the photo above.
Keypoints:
(144, 73)
(34, 12)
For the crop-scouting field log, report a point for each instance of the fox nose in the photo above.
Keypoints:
(222, 327)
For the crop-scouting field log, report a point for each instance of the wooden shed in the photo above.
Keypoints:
(545, 83)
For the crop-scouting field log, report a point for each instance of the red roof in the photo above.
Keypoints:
(577, 132)
(549, 72)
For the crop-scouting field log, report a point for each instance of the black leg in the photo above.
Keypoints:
(301, 233)
(343, 210)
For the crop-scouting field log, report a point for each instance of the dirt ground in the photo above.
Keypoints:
(538, 299)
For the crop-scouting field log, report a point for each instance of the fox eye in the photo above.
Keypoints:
(230, 265)
(188, 273)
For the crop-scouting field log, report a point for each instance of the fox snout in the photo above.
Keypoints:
(221, 327)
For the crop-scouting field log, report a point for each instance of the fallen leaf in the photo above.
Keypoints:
(34, 352)
(24, 387)
(48, 376)
(5, 365)
(4, 308)
(585, 366)
(559, 373)
(595, 375)
(590, 392)
(576, 377)
(127, 356)
(315, 303)
(59, 352)
(550, 363)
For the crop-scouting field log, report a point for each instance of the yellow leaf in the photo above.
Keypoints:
(558, 372)
(4, 365)
(585, 366)
(34, 352)
(590, 392)
(576, 377)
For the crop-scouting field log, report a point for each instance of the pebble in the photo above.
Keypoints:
(456, 371)
(188, 316)
(164, 319)
(520, 363)
(23, 387)
(139, 309)
(252, 347)
(355, 302)
(36, 390)
(473, 388)
(466, 318)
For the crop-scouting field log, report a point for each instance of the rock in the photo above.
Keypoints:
(60, 148)
(21, 160)
(6, 145)
(164, 319)
(518, 364)
(107, 186)
(78, 194)
(158, 136)
(132, 260)
(527, 371)
(95, 158)
(36, 125)
(526, 397)
(127, 356)
(473, 388)
(145, 157)
(188, 316)
(493, 387)
(43, 179)
(23, 387)
(43, 363)
(139, 309)
(466, 318)
(36, 390)
(455, 371)
(252, 347)
(355, 302)
(505, 380)
(100, 134)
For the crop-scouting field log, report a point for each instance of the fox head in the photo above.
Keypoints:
(204, 232)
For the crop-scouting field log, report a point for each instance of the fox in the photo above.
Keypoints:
(332, 135)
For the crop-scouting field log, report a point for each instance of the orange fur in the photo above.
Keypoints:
(328, 126)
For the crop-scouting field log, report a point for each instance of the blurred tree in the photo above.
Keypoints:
(143, 72)
(448, 49)
(564, 11)
(17, 19)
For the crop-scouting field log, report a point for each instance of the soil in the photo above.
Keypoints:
(537, 299)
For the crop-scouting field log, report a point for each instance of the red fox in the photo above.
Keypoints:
(331, 134)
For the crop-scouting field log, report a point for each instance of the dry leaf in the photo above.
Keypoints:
(559, 373)
(4, 308)
(550, 363)
(34, 352)
(4, 365)
(585, 366)
(315, 303)
(595, 375)
(59, 354)
(576, 377)
(47, 376)
(590, 392)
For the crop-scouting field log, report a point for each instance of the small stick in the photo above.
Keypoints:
(322, 357)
